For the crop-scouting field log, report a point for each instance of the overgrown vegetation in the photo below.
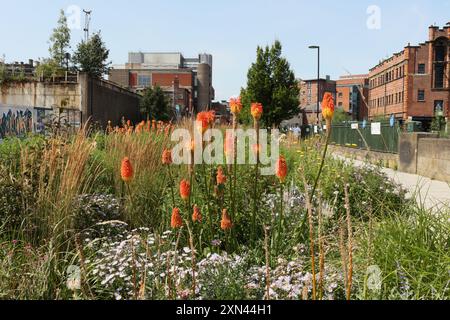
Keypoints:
(70, 228)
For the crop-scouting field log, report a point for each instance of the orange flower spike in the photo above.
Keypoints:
(197, 216)
(126, 170)
(185, 190)
(203, 120)
(235, 105)
(211, 117)
(221, 177)
(226, 224)
(176, 222)
(328, 107)
(257, 111)
(167, 157)
(281, 169)
(229, 144)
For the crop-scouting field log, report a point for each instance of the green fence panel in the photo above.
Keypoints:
(362, 138)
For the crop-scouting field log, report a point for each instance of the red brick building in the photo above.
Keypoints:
(352, 95)
(413, 84)
(308, 98)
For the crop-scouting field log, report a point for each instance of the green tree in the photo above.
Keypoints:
(92, 57)
(341, 116)
(271, 82)
(60, 41)
(155, 105)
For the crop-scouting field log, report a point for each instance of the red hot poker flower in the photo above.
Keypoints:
(226, 223)
(185, 190)
(281, 169)
(328, 106)
(176, 222)
(167, 157)
(126, 170)
(197, 216)
(257, 111)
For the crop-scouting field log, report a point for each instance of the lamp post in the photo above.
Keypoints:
(318, 81)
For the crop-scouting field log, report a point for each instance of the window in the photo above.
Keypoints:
(421, 68)
(439, 65)
(144, 81)
(421, 95)
(340, 94)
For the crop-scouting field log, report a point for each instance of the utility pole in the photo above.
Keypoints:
(87, 22)
(318, 81)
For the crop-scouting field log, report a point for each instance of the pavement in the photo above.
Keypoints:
(431, 194)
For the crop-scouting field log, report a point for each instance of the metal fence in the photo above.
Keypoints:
(367, 136)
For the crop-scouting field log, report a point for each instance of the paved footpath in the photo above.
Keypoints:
(432, 194)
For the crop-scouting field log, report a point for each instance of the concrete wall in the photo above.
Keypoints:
(27, 106)
(425, 155)
(105, 101)
(419, 153)
(433, 159)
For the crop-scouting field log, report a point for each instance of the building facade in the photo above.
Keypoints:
(413, 84)
(352, 95)
(187, 82)
(309, 89)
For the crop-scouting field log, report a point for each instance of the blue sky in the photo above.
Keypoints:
(231, 30)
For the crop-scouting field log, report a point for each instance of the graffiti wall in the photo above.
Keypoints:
(19, 121)
(15, 121)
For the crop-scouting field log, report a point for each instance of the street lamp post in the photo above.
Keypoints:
(318, 81)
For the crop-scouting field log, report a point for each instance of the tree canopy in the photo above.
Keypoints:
(270, 81)
(92, 56)
(60, 40)
(156, 105)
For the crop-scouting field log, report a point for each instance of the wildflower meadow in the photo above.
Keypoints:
(113, 215)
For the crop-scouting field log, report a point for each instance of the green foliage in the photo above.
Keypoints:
(438, 124)
(48, 68)
(341, 116)
(412, 250)
(155, 105)
(270, 81)
(60, 41)
(92, 57)
(408, 244)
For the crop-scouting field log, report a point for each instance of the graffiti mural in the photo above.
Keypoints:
(15, 122)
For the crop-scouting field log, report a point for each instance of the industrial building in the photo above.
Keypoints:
(186, 81)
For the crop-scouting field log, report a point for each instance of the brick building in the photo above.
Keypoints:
(413, 84)
(308, 98)
(352, 95)
(187, 82)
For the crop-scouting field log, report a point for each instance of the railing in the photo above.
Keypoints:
(356, 135)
